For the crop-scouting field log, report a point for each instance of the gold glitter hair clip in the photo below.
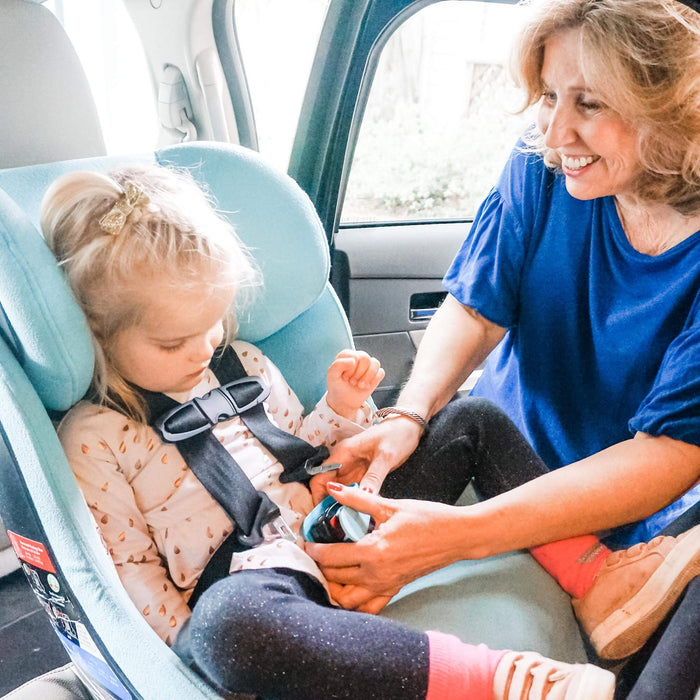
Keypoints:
(113, 221)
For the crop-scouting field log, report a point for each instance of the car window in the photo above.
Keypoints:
(112, 57)
(440, 118)
(277, 40)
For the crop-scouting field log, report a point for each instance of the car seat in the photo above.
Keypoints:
(40, 123)
(46, 362)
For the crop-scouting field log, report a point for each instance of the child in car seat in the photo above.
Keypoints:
(156, 271)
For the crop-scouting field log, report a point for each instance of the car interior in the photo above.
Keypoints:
(330, 282)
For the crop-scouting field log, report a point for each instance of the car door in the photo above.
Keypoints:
(398, 153)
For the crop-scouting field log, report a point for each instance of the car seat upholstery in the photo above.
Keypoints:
(47, 111)
(46, 364)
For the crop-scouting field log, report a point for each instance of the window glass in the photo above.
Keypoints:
(110, 51)
(278, 41)
(441, 116)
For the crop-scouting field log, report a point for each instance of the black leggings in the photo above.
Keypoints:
(272, 632)
(471, 438)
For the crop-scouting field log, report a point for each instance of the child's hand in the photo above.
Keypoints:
(351, 379)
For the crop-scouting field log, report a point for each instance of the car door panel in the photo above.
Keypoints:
(394, 284)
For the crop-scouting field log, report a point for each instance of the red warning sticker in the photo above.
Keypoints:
(32, 552)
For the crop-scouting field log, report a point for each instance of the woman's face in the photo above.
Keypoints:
(597, 148)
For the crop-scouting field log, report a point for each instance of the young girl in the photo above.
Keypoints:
(157, 271)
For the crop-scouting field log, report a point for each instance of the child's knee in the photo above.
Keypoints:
(227, 606)
(241, 610)
(236, 629)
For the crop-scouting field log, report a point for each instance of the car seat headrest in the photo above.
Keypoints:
(275, 218)
(42, 323)
(269, 211)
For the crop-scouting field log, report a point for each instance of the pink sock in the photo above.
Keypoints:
(573, 562)
(459, 670)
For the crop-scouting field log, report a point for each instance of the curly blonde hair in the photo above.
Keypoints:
(643, 58)
(173, 230)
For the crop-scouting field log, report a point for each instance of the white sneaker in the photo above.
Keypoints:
(526, 675)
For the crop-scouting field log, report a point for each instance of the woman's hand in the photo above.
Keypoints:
(366, 458)
(318, 485)
(351, 379)
(410, 539)
(357, 598)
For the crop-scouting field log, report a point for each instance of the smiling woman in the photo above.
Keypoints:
(559, 284)
(596, 147)
(616, 70)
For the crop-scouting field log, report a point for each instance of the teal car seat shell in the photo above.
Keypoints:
(296, 320)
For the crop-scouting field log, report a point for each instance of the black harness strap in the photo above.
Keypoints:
(299, 459)
(190, 425)
(238, 395)
(220, 474)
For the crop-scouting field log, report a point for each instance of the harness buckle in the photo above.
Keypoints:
(217, 405)
(279, 528)
(312, 469)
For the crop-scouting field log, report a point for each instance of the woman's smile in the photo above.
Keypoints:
(596, 146)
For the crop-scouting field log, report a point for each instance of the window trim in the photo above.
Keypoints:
(228, 48)
(352, 39)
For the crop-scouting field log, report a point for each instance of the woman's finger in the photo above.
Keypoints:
(347, 575)
(364, 501)
(351, 597)
(375, 605)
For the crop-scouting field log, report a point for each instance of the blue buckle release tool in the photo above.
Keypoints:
(330, 522)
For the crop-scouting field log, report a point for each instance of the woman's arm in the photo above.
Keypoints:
(624, 483)
(458, 339)
(621, 484)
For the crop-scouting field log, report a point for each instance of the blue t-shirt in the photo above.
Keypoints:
(602, 341)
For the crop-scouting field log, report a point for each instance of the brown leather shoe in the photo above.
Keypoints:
(634, 590)
(528, 676)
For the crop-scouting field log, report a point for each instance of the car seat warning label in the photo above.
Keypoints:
(32, 552)
(52, 594)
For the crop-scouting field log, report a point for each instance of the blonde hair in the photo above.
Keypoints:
(173, 231)
(643, 58)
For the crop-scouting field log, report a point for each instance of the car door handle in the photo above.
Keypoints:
(423, 305)
(421, 314)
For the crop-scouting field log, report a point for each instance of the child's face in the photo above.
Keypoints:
(170, 348)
